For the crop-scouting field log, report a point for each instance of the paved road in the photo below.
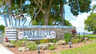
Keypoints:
(4, 50)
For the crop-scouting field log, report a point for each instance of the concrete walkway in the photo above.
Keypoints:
(4, 50)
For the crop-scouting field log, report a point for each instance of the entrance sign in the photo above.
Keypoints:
(37, 32)
(20, 35)
(37, 35)
(11, 33)
(53, 34)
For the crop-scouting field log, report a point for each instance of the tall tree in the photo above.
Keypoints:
(90, 23)
(47, 12)
(79, 6)
(2, 28)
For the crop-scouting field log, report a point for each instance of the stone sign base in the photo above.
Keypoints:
(37, 32)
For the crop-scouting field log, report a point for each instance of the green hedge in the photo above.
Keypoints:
(31, 45)
(67, 37)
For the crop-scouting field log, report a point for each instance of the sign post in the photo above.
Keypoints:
(38, 49)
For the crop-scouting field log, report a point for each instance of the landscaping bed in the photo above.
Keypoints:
(58, 49)
(15, 50)
(46, 46)
(87, 49)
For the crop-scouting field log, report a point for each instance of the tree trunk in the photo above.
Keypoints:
(46, 18)
(62, 11)
(9, 21)
(19, 21)
(94, 32)
(5, 20)
(15, 22)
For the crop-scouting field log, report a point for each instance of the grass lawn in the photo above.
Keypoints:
(89, 35)
(89, 49)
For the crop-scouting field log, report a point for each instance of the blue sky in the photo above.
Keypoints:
(77, 21)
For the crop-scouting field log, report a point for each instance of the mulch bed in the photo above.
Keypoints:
(15, 50)
(58, 49)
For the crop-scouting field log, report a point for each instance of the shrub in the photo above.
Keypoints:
(19, 43)
(34, 22)
(31, 45)
(24, 39)
(12, 41)
(52, 40)
(11, 44)
(76, 40)
(44, 41)
(61, 42)
(67, 37)
(52, 47)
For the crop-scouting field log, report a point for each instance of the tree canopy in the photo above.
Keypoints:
(2, 27)
(79, 6)
(44, 12)
(90, 23)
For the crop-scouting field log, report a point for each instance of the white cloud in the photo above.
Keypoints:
(93, 3)
(79, 23)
